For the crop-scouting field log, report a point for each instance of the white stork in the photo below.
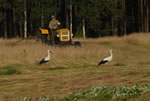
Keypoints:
(46, 59)
(107, 60)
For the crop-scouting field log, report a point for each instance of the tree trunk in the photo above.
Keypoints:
(21, 28)
(132, 20)
(25, 24)
(10, 24)
(71, 18)
(145, 16)
(42, 16)
(14, 22)
(67, 19)
(147, 9)
(139, 16)
(83, 27)
(5, 24)
(112, 25)
(5, 29)
(124, 18)
(31, 26)
(112, 21)
(42, 21)
(25, 20)
(142, 18)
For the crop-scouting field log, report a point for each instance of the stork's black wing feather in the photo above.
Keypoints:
(102, 62)
(43, 61)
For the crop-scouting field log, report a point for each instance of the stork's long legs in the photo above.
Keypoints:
(46, 65)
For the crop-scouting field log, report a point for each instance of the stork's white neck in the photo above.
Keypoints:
(48, 53)
(111, 52)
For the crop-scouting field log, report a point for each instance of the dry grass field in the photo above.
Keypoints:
(73, 69)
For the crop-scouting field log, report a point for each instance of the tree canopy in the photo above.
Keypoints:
(102, 17)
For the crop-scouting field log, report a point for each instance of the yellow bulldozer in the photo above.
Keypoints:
(63, 37)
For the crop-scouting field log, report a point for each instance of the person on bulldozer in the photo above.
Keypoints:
(53, 26)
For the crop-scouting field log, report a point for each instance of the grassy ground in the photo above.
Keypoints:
(73, 69)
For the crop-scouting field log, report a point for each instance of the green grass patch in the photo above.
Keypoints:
(105, 43)
(132, 41)
(9, 70)
(103, 94)
(119, 64)
(124, 48)
(144, 63)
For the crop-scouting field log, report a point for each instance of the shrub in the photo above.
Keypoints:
(104, 94)
(9, 71)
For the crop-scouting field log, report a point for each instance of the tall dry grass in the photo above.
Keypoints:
(72, 69)
(91, 52)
